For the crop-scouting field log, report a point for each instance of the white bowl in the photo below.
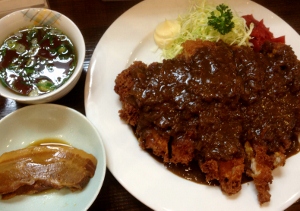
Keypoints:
(36, 122)
(21, 19)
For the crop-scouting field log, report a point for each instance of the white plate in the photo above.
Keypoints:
(37, 122)
(130, 38)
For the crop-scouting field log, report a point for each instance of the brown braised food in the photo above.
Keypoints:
(233, 110)
(35, 169)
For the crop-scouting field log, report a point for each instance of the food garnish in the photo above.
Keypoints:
(222, 22)
(195, 25)
(166, 32)
(260, 33)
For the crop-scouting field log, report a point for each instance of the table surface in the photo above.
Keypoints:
(93, 17)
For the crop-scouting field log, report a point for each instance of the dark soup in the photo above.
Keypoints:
(36, 60)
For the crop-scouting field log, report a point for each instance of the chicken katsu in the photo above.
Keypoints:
(232, 110)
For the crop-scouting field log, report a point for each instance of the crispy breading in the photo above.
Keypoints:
(125, 83)
(231, 109)
(261, 172)
(228, 173)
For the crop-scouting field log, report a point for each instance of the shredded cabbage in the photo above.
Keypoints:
(194, 25)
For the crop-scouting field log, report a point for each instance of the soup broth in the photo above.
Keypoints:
(36, 60)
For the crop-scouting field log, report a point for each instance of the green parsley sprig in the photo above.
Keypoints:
(222, 22)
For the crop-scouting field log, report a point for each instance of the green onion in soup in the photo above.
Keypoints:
(36, 60)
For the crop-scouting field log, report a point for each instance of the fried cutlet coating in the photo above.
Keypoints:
(233, 110)
(228, 173)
